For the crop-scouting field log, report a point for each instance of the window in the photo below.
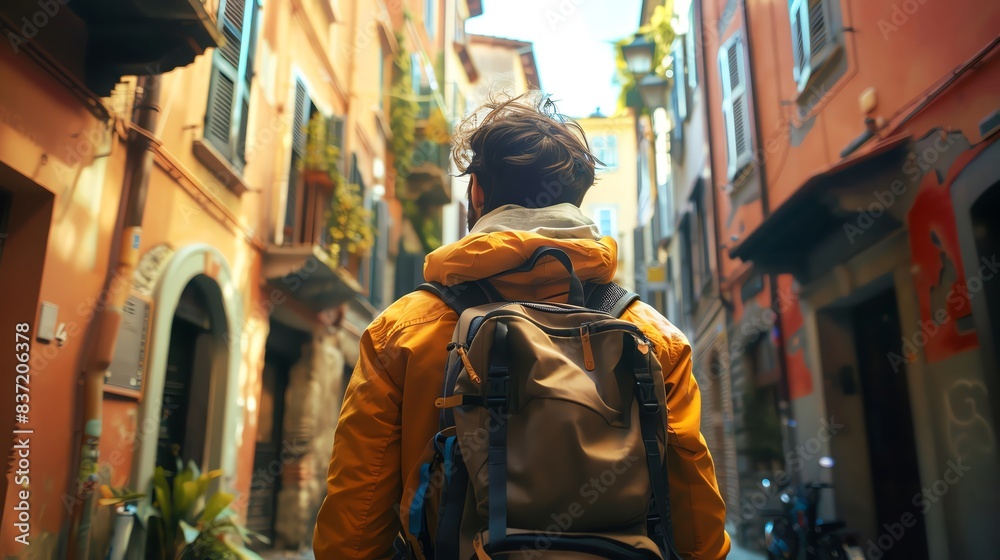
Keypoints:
(381, 77)
(605, 148)
(689, 50)
(687, 269)
(430, 17)
(702, 272)
(680, 101)
(229, 88)
(813, 44)
(306, 203)
(606, 218)
(460, 36)
(735, 110)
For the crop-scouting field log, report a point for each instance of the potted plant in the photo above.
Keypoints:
(186, 523)
(349, 222)
(321, 157)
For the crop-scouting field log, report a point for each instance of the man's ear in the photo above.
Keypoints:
(478, 198)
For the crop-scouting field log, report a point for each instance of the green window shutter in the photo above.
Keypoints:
(300, 117)
(335, 135)
(246, 73)
(219, 113)
(229, 89)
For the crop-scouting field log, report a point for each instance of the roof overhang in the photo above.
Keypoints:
(307, 274)
(819, 215)
(426, 185)
(475, 8)
(136, 37)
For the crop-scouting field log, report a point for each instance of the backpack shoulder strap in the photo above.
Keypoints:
(460, 296)
(610, 298)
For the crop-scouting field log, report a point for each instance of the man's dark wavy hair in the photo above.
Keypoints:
(525, 152)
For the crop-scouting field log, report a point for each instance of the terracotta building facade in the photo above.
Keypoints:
(165, 241)
(834, 170)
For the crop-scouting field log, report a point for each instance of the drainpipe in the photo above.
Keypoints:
(138, 164)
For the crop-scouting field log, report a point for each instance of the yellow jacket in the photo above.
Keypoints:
(389, 415)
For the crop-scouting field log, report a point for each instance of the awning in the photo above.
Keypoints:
(819, 210)
(427, 185)
(136, 37)
(307, 274)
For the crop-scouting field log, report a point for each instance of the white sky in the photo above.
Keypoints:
(574, 45)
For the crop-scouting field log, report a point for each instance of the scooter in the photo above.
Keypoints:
(824, 540)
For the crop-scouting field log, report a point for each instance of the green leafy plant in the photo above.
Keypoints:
(321, 153)
(660, 31)
(403, 111)
(116, 496)
(350, 223)
(188, 524)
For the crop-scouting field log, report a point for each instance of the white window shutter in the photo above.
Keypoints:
(680, 79)
(812, 41)
(735, 107)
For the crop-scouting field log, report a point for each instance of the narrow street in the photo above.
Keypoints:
(208, 210)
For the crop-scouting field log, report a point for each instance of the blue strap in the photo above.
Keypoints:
(417, 505)
(449, 446)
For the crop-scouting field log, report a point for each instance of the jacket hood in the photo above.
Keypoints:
(506, 238)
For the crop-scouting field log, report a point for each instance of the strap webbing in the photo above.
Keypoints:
(446, 541)
(649, 422)
(460, 296)
(497, 396)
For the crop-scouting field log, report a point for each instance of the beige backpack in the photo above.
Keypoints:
(552, 433)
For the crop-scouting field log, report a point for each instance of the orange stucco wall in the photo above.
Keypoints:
(49, 140)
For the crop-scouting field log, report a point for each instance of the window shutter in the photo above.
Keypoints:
(229, 89)
(335, 131)
(680, 80)
(300, 117)
(812, 42)
(734, 105)
(250, 40)
(800, 43)
(219, 113)
(690, 58)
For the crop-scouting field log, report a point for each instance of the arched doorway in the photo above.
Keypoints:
(976, 200)
(187, 385)
(190, 407)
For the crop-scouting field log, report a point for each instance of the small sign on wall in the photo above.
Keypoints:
(124, 376)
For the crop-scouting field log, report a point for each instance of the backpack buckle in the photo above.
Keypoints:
(646, 394)
(497, 391)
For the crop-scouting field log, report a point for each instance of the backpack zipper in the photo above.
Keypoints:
(461, 349)
(588, 352)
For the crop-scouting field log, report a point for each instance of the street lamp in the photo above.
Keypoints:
(639, 55)
(654, 91)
